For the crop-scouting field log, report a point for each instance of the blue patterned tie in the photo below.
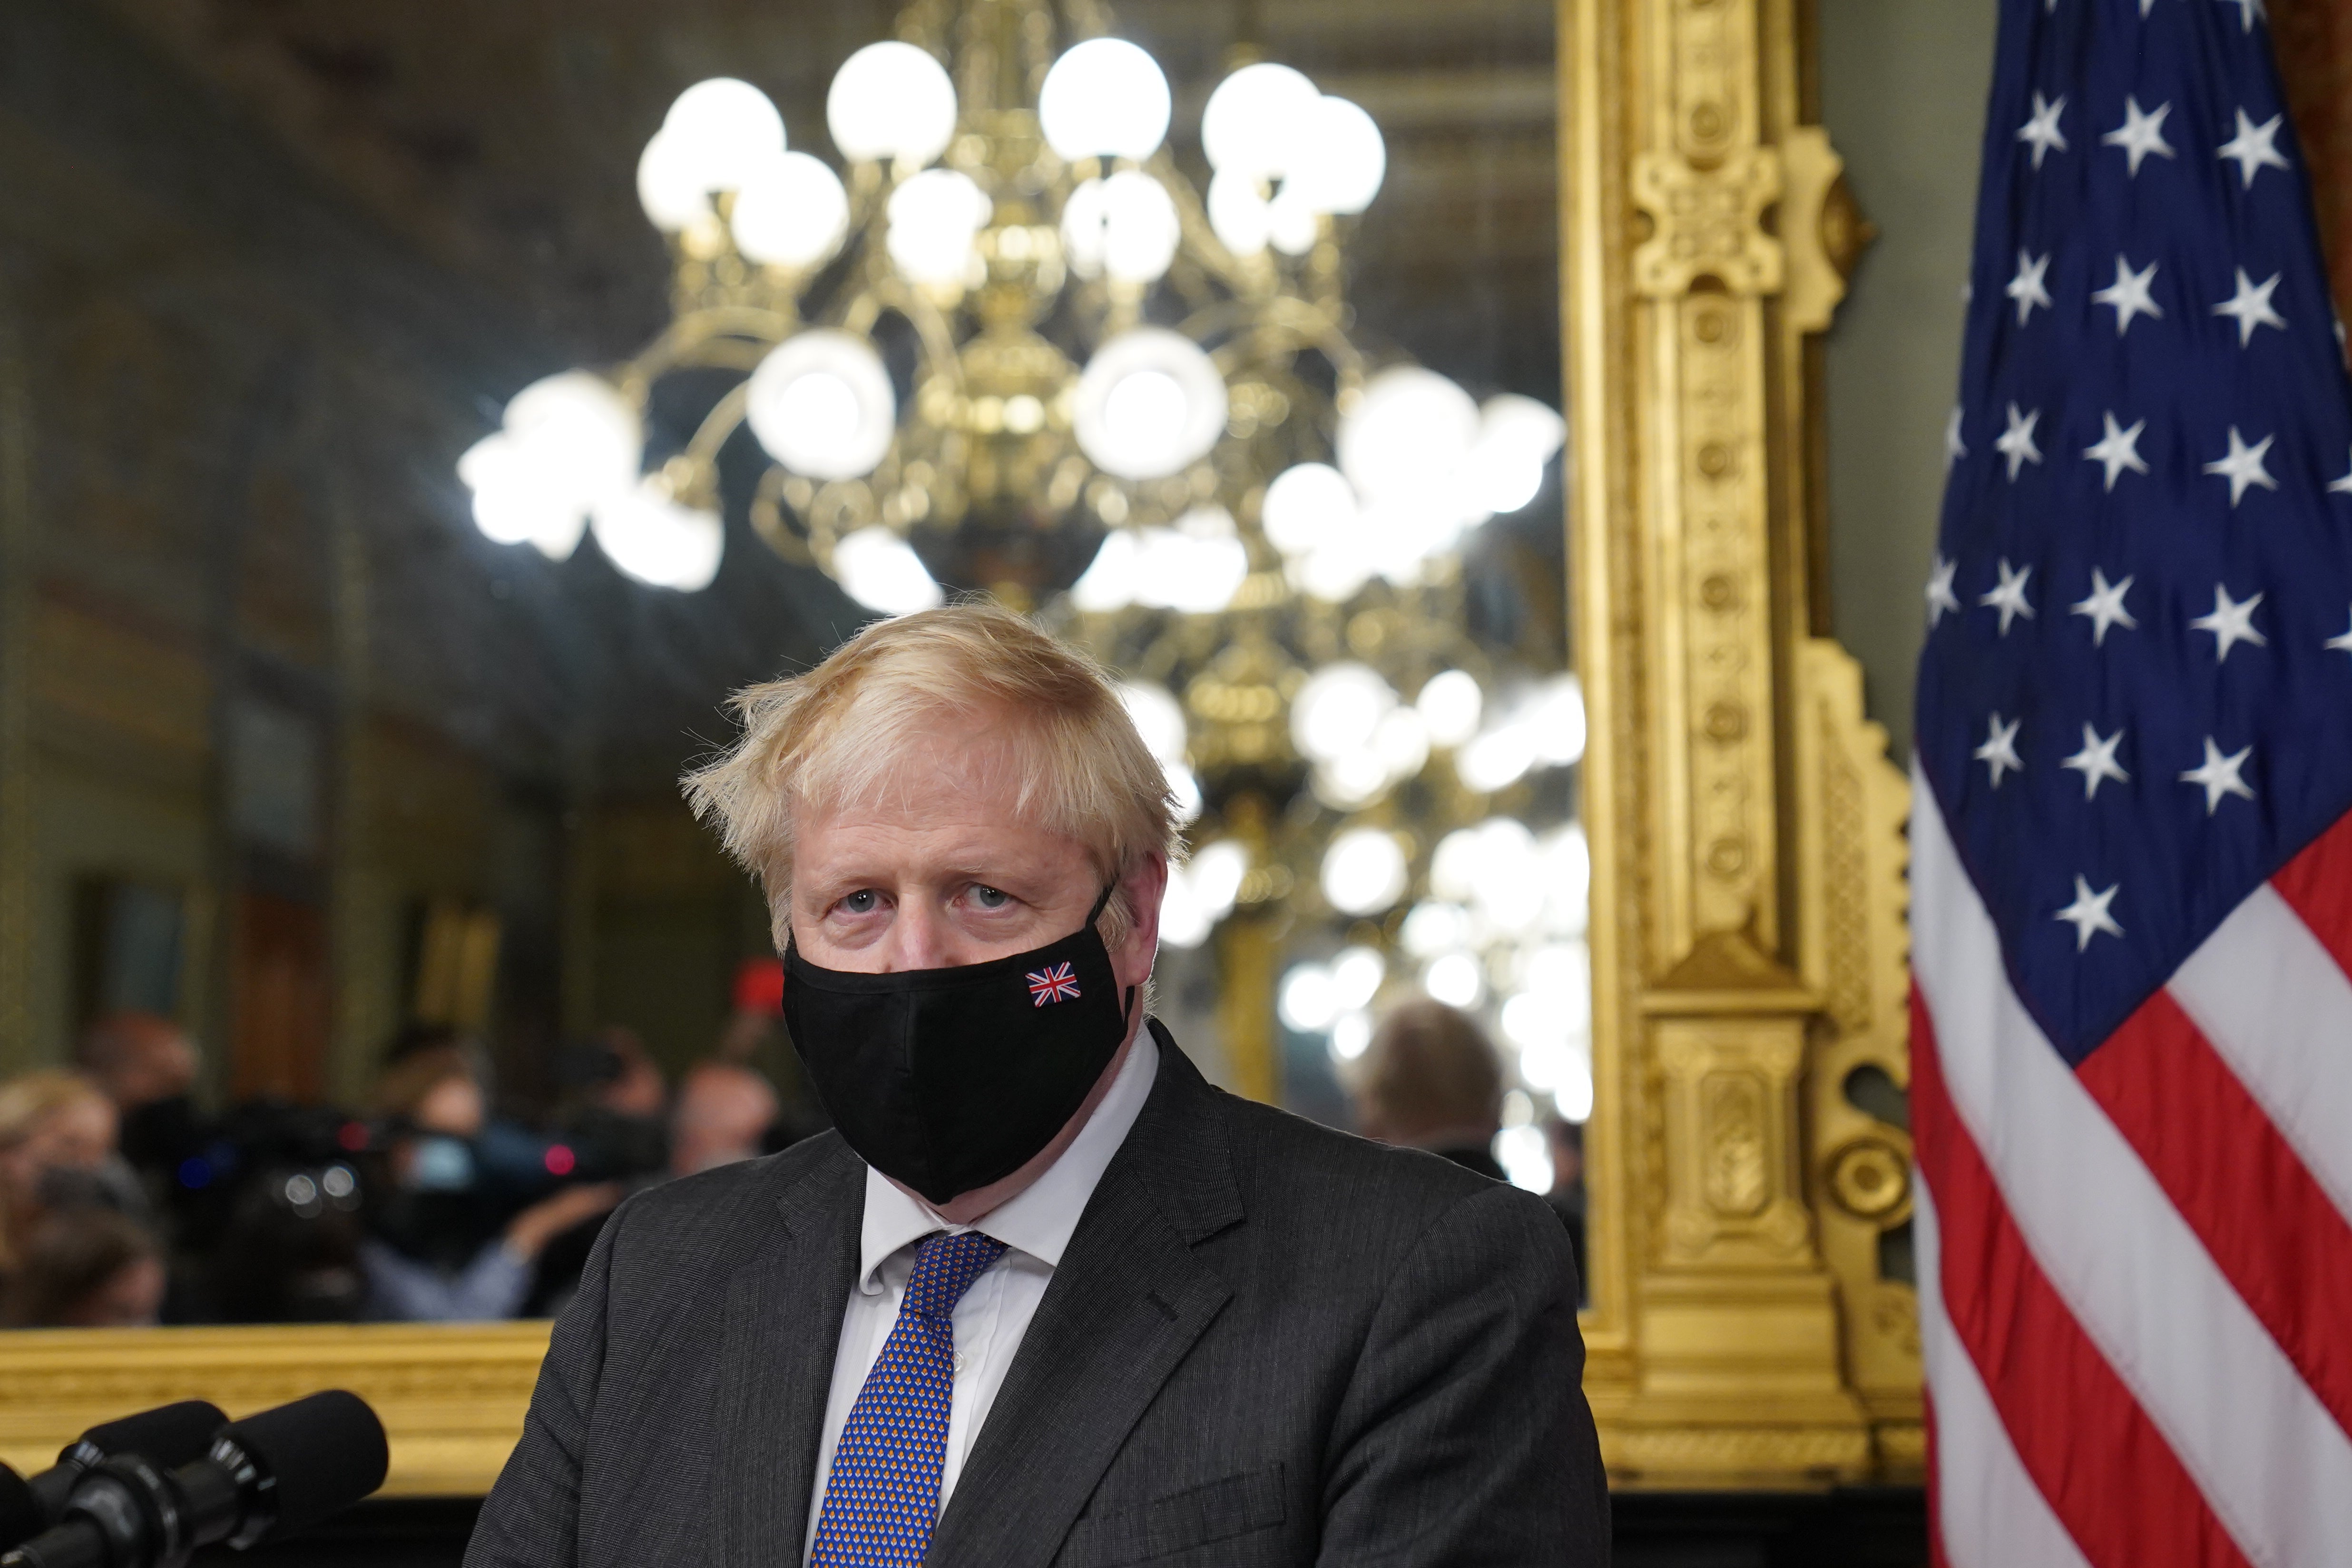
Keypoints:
(883, 1496)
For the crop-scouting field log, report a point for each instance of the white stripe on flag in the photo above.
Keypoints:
(2272, 1463)
(1988, 1511)
(2279, 1011)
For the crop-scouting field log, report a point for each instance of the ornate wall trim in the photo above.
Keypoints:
(1750, 1325)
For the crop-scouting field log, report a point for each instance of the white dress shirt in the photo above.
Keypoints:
(994, 1314)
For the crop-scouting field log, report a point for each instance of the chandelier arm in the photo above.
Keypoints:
(717, 425)
(689, 334)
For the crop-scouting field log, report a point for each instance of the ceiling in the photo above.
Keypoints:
(501, 139)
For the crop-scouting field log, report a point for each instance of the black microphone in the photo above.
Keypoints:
(271, 1473)
(169, 1435)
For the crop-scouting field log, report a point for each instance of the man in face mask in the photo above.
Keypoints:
(1044, 1295)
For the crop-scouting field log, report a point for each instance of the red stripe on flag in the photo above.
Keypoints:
(2109, 1476)
(2269, 1227)
(2317, 886)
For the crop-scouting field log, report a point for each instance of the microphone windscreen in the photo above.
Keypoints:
(325, 1453)
(21, 1515)
(167, 1437)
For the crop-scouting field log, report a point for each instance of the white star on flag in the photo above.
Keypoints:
(2341, 487)
(2232, 622)
(2096, 761)
(2016, 443)
(2118, 449)
(2250, 306)
(2342, 644)
(1940, 596)
(2009, 598)
(2088, 913)
(2140, 134)
(1953, 447)
(2129, 294)
(2042, 130)
(2243, 466)
(2254, 147)
(2027, 288)
(1998, 752)
(2106, 607)
(2219, 775)
(2248, 12)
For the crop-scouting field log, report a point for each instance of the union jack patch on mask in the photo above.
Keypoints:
(1052, 984)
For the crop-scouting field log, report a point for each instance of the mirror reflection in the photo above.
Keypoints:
(421, 453)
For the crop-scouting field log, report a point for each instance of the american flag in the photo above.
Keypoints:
(1054, 984)
(2131, 886)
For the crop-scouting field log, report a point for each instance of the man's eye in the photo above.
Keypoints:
(861, 902)
(989, 898)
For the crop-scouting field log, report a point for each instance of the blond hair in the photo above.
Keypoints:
(831, 740)
(27, 1103)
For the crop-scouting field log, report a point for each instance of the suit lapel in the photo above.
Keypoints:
(1125, 1307)
(783, 1326)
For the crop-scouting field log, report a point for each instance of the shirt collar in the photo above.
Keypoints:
(1040, 1219)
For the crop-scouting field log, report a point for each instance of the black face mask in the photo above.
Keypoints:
(947, 1079)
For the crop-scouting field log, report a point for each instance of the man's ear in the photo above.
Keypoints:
(1144, 883)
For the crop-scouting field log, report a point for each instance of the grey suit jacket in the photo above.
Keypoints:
(1267, 1344)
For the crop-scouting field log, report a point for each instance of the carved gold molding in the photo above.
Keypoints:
(452, 1398)
(1748, 1324)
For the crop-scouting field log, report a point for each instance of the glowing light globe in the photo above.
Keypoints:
(651, 537)
(1253, 121)
(891, 101)
(1340, 158)
(792, 212)
(882, 571)
(934, 218)
(822, 405)
(1149, 403)
(1104, 99)
(722, 129)
(1364, 871)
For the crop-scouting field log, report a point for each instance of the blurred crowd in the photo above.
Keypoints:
(123, 1202)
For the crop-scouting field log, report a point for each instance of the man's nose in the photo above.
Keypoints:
(920, 937)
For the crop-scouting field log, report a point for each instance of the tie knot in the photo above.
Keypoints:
(945, 1267)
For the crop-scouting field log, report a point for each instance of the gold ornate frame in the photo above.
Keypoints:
(1748, 871)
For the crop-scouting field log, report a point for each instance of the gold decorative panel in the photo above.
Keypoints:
(1751, 1322)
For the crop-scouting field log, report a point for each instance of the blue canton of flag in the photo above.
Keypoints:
(2136, 697)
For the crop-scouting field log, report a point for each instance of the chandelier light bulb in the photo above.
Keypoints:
(1454, 979)
(1308, 506)
(1432, 928)
(1113, 580)
(1104, 99)
(1253, 121)
(1507, 884)
(1364, 871)
(822, 405)
(1516, 438)
(891, 101)
(792, 212)
(1184, 920)
(513, 504)
(1158, 718)
(1216, 871)
(1305, 1002)
(1556, 719)
(1292, 222)
(1409, 433)
(934, 220)
(1239, 213)
(1126, 226)
(722, 129)
(1355, 976)
(1497, 758)
(649, 536)
(882, 571)
(1449, 703)
(1338, 711)
(1184, 792)
(1568, 861)
(578, 434)
(1149, 403)
(670, 186)
(1454, 867)
(1402, 744)
(1351, 782)
(1340, 158)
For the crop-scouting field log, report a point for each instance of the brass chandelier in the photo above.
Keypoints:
(1011, 347)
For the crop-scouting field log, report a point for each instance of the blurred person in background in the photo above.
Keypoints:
(723, 1114)
(85, 1268)
(614, 1106)
(1431, 1079)
(436, 1251)
(56, 1140)
(147, 1066)
(754, 1037)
